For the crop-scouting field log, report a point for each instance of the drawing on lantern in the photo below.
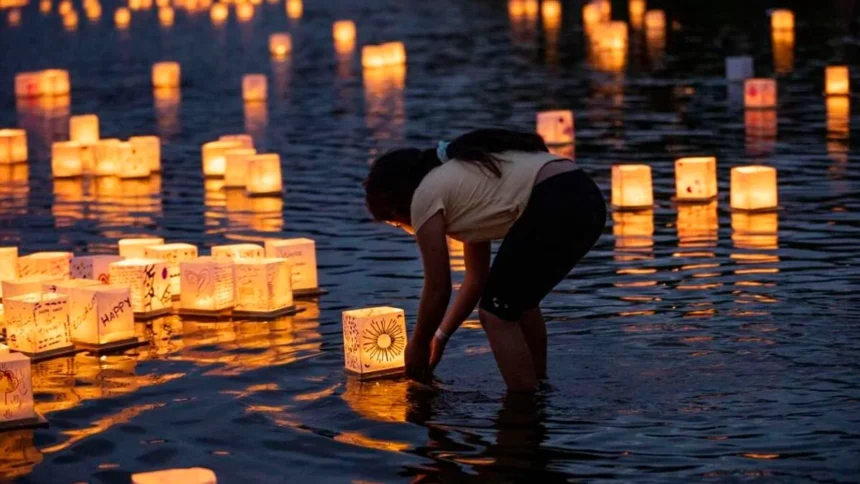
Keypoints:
(198, 281)
(8, 384)
(384, 339)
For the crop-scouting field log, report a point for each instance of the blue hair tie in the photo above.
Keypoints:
(442, 151)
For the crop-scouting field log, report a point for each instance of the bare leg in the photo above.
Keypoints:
(534, 330)
(511, 352)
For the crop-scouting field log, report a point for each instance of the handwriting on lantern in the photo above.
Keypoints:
(15, 387)
(115, 312)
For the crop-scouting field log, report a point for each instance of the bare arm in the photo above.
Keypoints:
(477, 258)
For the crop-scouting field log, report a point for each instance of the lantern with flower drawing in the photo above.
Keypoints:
(264, 175)
(781, 20)
(236, 163)
(374, 341)
(8, 265)
(696, 179)
(254, 88)
(66, 159)
(760, 93)
(207, 286)
(280, 45)
(149, 283)
(192, 475)
(238, 251)
(16, 406)
(739, 68)
(301, 253)
(133, 248)
(173, 254)
(166, 75)
(837, 82)
(53, 264)
(753, 188)
(214, 160)
(343, 32)
(631, 187)
(13, 146)
(93, 267)
(38, 324)
(556, 127)
(262, 287)
(101, 315)
(148, 148)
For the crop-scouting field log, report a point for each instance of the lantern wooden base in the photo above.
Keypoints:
(693, 201)
(309, 293)
(202, 313)
(49, 355)
(376, 375)
(37, 422)
(287, 311)
(152, 314)
(637, 208)
(113, 347)
(755, 210)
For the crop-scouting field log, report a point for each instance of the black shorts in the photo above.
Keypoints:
(565, 216)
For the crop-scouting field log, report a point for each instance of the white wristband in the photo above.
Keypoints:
(441, 336)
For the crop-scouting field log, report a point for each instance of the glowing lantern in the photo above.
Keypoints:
(108, 157)
(591, 16)
(64, 286)
(27, 285)
(633, 230)
(394, 53)
(165, 75)
(45, 6)
(149, 282)
(173, 254)
(236, 170)
(165, 16)
(556, 127)
(38, 324)
(610, 36)
(122, 17)
(294, 9)
(244, 12)
(132, 163)
(753, 188)
(148, 149)
(51, 264)
(8, 265)
(54, 82)
(636, 12)
(783, 51)
(93, 267)
(28, 84)
(302, 255)
(70, 20)
(100, 315)
(134, 248)
(759, 93)
(371, 56)
(14, 17)
(781, 19)
(280, 45)
(695, 179)
(655, 20)
(93, 11)
(214, 160)
(17, 388)
(264, 174)
(244, 140)
(162, 3)
(207, 285)
(631, 186)
(13, 145)
(836, 81)
(254, 87)
(739, 68)
(65, 7)
(238, 251)
(343, 32)
(218, 13)
(84, 129)
(697, 224)
(262, 286)
(551, 14)
(193, 475)
(374, 341)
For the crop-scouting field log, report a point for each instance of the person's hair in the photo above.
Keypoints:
(395, 176)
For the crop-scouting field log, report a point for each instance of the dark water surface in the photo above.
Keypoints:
(682, 348)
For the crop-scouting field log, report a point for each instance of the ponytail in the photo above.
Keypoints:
(481, 146)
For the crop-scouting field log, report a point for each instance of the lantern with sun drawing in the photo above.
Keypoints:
(374, 341)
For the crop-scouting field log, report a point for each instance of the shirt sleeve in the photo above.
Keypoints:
(425, 203)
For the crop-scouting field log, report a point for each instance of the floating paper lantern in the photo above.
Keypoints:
(108, 157)
(280, 45)
(394, 53)
(214, 160)
(633, 230)
(93, 11)
(655, 20)
(374, 341)
(610, 36)
(760, 93)
(697, 224)
(65, 7)
(636, 12)
(134, 248)
(207, 285)
(122, 17)
(148, 148)
(64, 286)
(238, 251)
(45, 6)
(301, 253)
(54, 82)
(13, 146)
(371, 56)
(8, 265)
(93, 267)
(165, 16)
(695, 179)
(294, 9)
(244, 140)
(631, 186)
(173, 254)
(134, 163)
(343, 32)
(100, 315)
(244, 12)
(837, 82)
(262, 286)
(70, 20)
(254, 88)
(16, 385)
(556, 127)
(753, 188)
(551, 14)
(236, 166)
(52, 264)
(165, 75)
(27, 285)
(193, 475)
(264, 175)
(218, 13)
(28, 84)
(591, 16)
(781, 19)
(84, 129)
(37, 324)
(149, 282)
(739, 68)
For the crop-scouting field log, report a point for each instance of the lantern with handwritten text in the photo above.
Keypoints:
(214, 161)
(836, 81)
(760, 93)
(754, 188)
(254, 88)
(280, 45)
(13, 146)
(781, 20)
(301, 253)
(262, 286)
(695, 179)
(207, 286)
(556, 127)
(173, 254)
(38, 324)
(264, 175)
(93, 267)
(53, 264)
(66, 159)
(166, 75)
(238, 251)
(631, 187)
(149, 283)
(28, 285)
(133, 248)
(101, 315)
(16, 406)
(236, 163)
(739, 68)
(374, 341)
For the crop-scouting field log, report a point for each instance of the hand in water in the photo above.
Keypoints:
(437, 347)
(416, 359)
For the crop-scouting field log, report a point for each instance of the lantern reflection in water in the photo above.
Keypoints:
(756, 238)
(256, 120)
(374, 341)
(254, 88)
(385, 113)
(166, 104)
(782, 43)
(380, 401)
(13, 18)
(523, 15)
(18, 454)
(633, 230)
(122, 17)
(14, 188)
(551, 15)
(109, 376)
(457, 252)
(761, 130)
(53, 264)
(697, 224)
(166, 75)
(163, 334)
(13, 146)
(838, 118)
(636, 13)
(207, 285)
(259, 213)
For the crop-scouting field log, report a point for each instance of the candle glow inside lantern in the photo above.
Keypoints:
(374, 341)
(695, 179)
(238, 251)
(294, 9)
(631, 187)
(13, 146)
(193, 475)
(343, 32)
(16, 385)
(207, 285)
(236, 166)
(556, 127)
(149, 283)
(214, 160)
(148, 148)
(84, 129)
(610, 36)
(8, 265)
(254, 88)
(28, 84)
(107, 157)
(636, 12)
(166, 75)
(14, 17)
(591, 16)
(166, 16)
(301, 253)
(134, 248)
(173, 254)
(51, 264)
(655, 20)
(754, 188)
(264, 174)
(755, 230)
(93, 11)
(122, 17)
(739, 68)
(244, 12)
(387, 54)
(54, 82)
(781, 19)
(837, 81)
(280, 45)
(93, 267)
(135, 163)
(70, 20)
(100, 315)
(760, 93)
(262, 286)
(37, 324)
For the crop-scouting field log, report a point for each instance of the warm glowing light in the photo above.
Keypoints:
(754, 188)
(254, 88)
(837, 81)
(556, 127)
(301, 253)
(610, 36)
(28, 285)
(655, 20)
(214, 160)
(50, 82)
(755, 230)
(631, 186)
(93, 11)
(591, 16)
(51, 264)
(45, 6)
(280, 45)
(193, 475)
(148, 150)
(838, 116)
(13, 146)
(551, 13)
(109, 156)
(8, 266)
(162, 3)
(14, 17)
(245, 140)
(236, 166)
(262, 285)
(66, 159)
(781, 19)
(739, 68)
(134, 248)
(93, 267)
(698, 224)
(244, 12)
(207, 285)
(65, 7)
(218, 13)
(84, 129)
(133, 163)
(343, 32)
(636, 12)
(388, 54)
(122, 17)
(238, 251)
(633, 230)
(173, 254)
(294, 9)
(100, 314)
(165, 16)
(695, 179)
(264, 175)
(17, 387)
(760, 124)
(149, 282)
(783, 51)
(760, 93)
(374, 341)
(37, 323)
